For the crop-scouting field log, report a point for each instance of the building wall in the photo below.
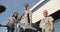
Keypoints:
(52, 6)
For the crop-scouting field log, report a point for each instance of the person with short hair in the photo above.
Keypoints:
(47, 23)
(26, 19)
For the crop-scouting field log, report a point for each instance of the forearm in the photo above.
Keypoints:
(51, 26)
(30, 20)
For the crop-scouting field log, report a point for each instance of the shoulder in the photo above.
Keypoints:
(51, 18)
(29, 11)
(42, 19)
(10, 17)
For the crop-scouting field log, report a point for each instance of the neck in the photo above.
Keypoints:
(26, 10)
(45, 16)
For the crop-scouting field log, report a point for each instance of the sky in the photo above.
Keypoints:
(11, 7)
(17, 5)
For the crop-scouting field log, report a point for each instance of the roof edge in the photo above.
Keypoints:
(36, 5)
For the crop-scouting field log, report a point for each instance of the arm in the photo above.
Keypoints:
(19, 19)
(51, 26)
(8, 20)
(30, 18)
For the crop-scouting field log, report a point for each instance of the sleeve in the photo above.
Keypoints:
(9, 19)
(40, 23)
(30, 14)
(51, 18)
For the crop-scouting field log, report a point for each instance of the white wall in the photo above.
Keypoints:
(52, 6)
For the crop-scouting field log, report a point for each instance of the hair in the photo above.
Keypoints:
(26, 4)
(45, 11)
(16, 16)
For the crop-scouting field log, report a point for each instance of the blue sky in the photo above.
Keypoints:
(11, 7)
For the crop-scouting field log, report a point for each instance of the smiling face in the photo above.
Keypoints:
(45, 13)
